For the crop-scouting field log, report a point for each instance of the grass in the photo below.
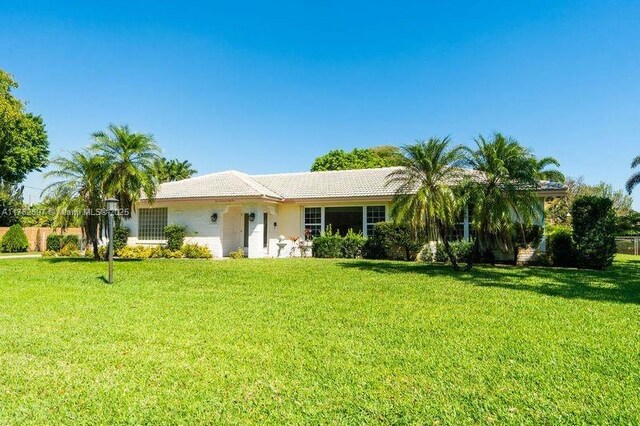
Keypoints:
(317, 341)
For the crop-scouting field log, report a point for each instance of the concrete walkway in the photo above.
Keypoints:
(21, 256)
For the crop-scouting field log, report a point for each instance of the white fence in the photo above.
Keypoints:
(628, 245)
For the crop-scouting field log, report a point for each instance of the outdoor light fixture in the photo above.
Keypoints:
(214, 217)
(112, 206)
(252, 217)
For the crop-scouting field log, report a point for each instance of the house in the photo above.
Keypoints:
(229, 210)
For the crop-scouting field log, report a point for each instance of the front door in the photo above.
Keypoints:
(246, 233)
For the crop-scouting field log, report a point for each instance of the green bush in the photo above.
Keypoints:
(594, 232)
(71, 242)
(69, 250)
(352, 245)
(135, 252)
(461, 250)
(194, 251)
(120, 237)
(237, 254)
(560, 246)
(328, 245)
(441, 253)
(15, 240)
(54, 242)
(175, 236)
(393, 241)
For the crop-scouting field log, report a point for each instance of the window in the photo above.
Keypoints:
(313, 221)
(341, 219)
(151, 223)
(375, 214)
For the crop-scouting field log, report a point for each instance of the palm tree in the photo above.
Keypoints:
(544, 173)
(129, 160)
(172, 170)
(503, 194)
(426, 195)
(634, 180)
(79, 185)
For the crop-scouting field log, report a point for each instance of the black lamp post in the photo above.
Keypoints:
(112, 206)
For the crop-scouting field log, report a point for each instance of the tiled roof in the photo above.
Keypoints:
(230, 184)
(333, 184)
(305, 185)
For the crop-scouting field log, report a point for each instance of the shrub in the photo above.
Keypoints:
(160, 252)
(237, 254)
(328, 245)
(135, 252)
(594, 232)
(194, 251)
(120, 237)
(394, 241)
(54, 242)
(560, 246)
(69, 250)
(441, 253)
(352, 245)
(461, 250)
(175, 236)
(70, 241)
(14, 241)
(49, 253)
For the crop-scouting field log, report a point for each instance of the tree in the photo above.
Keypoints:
(24, 146)
(10, 203)
(593, 232)
(426, 197)
(80, 189)
(558, 212)
(503, 194)
(634, 180)
(359, 158)
(129, 161)
(172, 170)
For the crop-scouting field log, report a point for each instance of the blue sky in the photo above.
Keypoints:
(266, 87)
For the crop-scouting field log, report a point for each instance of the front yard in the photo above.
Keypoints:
(308, 340)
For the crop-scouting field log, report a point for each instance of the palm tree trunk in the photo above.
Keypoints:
(447, 248)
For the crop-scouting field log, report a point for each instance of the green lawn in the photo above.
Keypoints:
(306, 340)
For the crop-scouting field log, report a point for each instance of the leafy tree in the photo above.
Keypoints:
(79, 188)
(634, 180)
(593, 232)
(426, 196)
(10, 202)
(128, 160)
(23, 139)
(359, 158)
(629, 224)
(172, 170)
(503, 195)
(558, 212)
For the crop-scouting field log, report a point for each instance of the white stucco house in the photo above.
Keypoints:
(230, 210)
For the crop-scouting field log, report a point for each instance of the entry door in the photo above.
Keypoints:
(246, 232)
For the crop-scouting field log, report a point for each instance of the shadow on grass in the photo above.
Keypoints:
(620, 283)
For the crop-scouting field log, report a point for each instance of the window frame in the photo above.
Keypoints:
(364, 207)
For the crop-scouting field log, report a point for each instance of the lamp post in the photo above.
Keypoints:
(112, 206)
